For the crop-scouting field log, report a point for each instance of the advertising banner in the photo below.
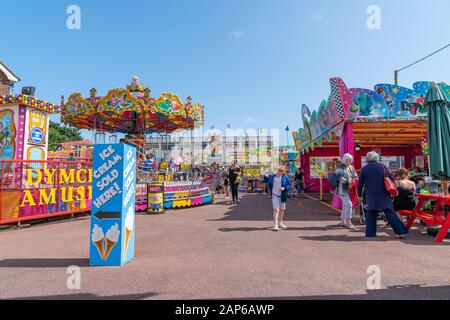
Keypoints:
(113, 205)
(155, 198)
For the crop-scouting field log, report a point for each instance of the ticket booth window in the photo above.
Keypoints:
(323, 166)
(393, 163)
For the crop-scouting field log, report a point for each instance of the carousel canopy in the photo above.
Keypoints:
(131, 111)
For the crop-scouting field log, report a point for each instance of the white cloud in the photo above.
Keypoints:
(238, 34)
(249, 120)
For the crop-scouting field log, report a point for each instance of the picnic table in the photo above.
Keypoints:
(435, 217)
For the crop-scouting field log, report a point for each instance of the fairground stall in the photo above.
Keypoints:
(33, 187)
(251, 179)
(73, 150)
(389, 119)
(133, 113)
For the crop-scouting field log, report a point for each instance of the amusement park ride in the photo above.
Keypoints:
(131, 111)
(34, 187)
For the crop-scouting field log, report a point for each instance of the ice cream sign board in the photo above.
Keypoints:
(113, 204)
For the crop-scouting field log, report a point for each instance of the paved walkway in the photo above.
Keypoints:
(224, 251)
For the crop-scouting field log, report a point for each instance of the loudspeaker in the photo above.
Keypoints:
(29, 91)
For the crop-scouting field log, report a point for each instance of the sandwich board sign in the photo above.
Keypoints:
(113, 205)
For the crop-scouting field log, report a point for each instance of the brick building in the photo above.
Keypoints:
(7, 79)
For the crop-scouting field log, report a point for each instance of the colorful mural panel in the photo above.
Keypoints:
(318, 124)
(37, 126)
(386, 101)
(7, 135)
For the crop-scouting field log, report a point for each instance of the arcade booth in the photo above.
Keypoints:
(31, 186)
(251, 179)
(389, 119)
(132, 112)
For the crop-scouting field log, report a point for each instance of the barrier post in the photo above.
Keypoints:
(58, 186)
(1, 195)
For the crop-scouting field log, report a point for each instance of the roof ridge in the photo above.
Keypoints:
(4, 65)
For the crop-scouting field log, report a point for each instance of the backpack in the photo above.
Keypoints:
(333, 179)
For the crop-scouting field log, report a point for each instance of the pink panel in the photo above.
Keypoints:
(196, 201)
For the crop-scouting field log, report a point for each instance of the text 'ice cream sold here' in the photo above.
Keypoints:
(113, 210)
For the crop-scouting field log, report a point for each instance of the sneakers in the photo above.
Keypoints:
(279, 225)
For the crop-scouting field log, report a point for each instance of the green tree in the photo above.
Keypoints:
(59, 133)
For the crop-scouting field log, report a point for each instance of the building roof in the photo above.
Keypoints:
(8, 72)
(69, 145)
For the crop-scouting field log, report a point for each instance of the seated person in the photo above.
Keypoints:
(406, 199)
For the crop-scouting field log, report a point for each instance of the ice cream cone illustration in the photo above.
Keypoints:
(127, 239)
(112, 238)
(98, 238)
(129, 225)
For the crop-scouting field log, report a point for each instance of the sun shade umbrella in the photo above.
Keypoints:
(438, 132)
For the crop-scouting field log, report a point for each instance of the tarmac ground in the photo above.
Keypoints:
(225, 251)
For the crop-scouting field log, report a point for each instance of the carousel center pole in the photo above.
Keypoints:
(192, 147)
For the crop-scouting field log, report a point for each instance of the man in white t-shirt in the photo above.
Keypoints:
(280, 185)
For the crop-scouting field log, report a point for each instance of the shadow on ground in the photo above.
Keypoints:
(298, 209)
(43, 263)
(407, 292)
(308, 210)
(90, 296)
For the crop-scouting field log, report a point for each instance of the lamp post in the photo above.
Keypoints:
(225, 143)
(287, 136)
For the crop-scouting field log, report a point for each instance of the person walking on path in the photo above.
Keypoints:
(234, 174)
(280, 185)
(378, 198)
(345, 174)
(299, 180)
(226, 185)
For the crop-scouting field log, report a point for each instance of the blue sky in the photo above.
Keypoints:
(252, 63)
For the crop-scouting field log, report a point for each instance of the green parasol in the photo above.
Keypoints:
(438, 132)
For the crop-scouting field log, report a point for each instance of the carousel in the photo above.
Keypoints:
(131, 112)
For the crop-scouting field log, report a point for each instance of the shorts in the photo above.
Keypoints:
(277, 204)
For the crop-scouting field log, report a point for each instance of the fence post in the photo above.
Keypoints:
(58, 172)
(1, 193)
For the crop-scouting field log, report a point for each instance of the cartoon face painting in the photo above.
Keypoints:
(326, 118)
(37, 124)
(7, 135)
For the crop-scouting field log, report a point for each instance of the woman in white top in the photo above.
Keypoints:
(345, 173)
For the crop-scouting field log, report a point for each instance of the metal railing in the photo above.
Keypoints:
(32, 189)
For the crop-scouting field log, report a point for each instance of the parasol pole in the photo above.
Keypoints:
(429, 166)
(95, 131)
(192, 146)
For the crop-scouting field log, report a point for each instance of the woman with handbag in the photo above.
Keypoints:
(378, 184)
(234, 173)
(346, 175)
